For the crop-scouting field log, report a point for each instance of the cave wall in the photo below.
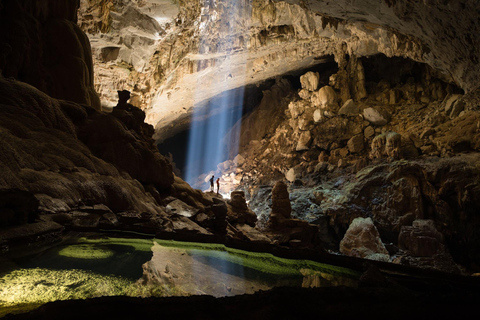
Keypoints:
(41, 44)
(264, 39)
(56, 147)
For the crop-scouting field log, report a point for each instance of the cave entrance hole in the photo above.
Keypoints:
(212, 140)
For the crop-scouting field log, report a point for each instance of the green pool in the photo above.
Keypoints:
(105, 266)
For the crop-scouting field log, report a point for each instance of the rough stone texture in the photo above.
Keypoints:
(47, 49)
(309, 81)
(356, 144)
(422, 239)
(274, 38)
(238, 212)
(349, 108)
(362, 240)
(181, 208)
(325, 98)
(41, 153)
(281, 207)
(304, 141)
(377, 116)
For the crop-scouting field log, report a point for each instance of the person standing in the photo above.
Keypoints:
(218, 185)
(211, 184)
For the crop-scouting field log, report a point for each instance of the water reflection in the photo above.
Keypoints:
(138, 267)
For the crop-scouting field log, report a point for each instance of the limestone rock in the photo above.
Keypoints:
(325, 98)
(291, 175)
(239, 160)
(449, 102)
(297, 108)
(238, 211)
(309, 81)
(377, 116)
(281, 207)
(421, 239)
(386, 144)
(318, 115)
(305, 94)
(181, 208)
(304, 141)
(349, 108)
(355, 144)
(362, 240)
(457, 108)
(368, 132)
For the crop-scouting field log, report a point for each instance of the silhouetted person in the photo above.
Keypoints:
(218, 185)
(211, 183)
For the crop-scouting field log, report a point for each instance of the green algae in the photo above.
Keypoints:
(26, 289)
(86, 251)
(92, 267)
(263, 262)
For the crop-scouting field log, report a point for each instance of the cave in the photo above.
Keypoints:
(231, 159)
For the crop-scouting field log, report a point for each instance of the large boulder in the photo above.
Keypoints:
(356, 144)
(326, 98)
(388, 144)
(304, 141)
(363, 240)
(310, 80)
(238, 211)
(422, 239)
(349, 108)
(377, 116)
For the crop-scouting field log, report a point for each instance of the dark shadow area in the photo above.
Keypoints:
(397, 71)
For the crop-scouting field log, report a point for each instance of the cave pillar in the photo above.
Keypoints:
(340, 80)
(356, 76)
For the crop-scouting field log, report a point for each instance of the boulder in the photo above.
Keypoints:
(291, 175)
(377, 116)
(181, 208)
(238, 211)
(305, 94)
(387, 144)
(349, 108)
(355, 144)
(368, 132)
(304, 141)
(363, 240)
(325, 97)
(422, 239)
(318, 116)
(297, 108)
(449, 102)
(281, 207)
(239, 160)
(310, 81)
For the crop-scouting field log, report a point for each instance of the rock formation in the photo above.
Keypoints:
(367, 114)
(362, 240)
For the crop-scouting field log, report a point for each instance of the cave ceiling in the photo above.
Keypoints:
(173, 55)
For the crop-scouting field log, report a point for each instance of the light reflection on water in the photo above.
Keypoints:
(139, 267)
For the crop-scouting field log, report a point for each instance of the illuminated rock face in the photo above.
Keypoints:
(164, 62)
